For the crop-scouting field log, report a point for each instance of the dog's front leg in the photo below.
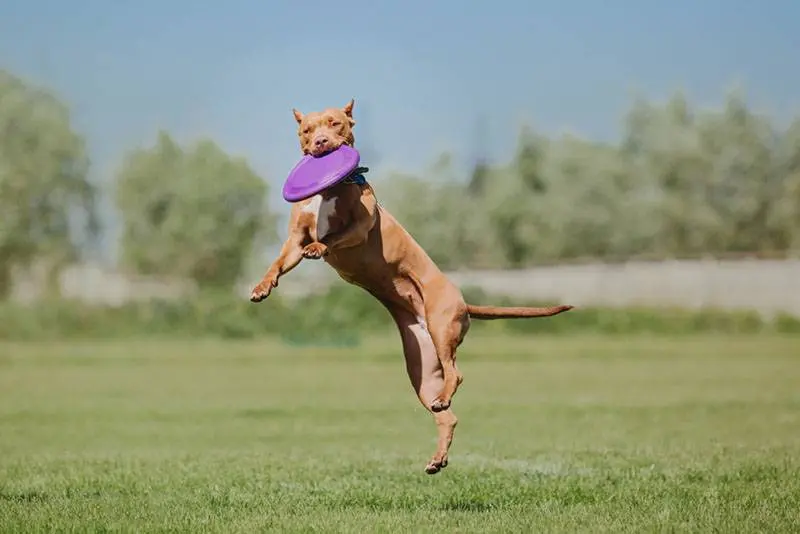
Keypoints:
(291, 254)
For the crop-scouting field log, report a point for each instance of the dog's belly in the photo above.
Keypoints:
(384, 281)
(389, 264)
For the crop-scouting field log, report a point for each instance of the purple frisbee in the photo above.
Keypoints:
(313, 174)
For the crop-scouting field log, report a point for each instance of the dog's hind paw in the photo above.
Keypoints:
(439, 405)
(435, 465)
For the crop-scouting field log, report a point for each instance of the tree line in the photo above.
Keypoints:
(680, 182)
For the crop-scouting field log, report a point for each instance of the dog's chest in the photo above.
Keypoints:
(324, 212)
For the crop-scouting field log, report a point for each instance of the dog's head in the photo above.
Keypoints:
(323, 131)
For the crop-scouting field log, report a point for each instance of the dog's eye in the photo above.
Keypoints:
(306, 130)
(336, 123)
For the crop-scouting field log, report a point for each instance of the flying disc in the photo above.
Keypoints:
(313, 174)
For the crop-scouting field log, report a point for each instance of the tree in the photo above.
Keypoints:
(441, 215)
(478, 178)
(520, 218)
(594, 202)
(682, 182)
(664, 148)
(195, 213)
(783, 220)
(47, 204)
(531, 150)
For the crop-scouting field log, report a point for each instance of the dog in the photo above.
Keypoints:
(346, 227)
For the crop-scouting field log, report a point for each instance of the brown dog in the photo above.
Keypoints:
(354, 234)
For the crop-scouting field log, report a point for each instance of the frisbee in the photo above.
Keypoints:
(313, 174)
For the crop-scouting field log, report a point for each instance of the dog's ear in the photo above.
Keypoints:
(297, 116)
(348, 108)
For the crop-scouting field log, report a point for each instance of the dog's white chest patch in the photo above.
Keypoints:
(323, 210)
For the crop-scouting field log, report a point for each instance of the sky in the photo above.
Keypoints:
(422, 73)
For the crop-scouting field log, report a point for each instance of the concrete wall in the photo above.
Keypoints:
(768, 286)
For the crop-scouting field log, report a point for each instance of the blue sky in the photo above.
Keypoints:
(421, 71)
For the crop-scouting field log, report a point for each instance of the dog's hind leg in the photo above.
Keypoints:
(447, 330)
(427, 378)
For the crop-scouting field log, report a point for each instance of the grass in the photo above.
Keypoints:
(599, 434)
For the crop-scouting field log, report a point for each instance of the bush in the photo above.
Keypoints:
(787, 324)
(340, 317)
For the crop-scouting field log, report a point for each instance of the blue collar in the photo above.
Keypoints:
(357, 176)
(357, 179)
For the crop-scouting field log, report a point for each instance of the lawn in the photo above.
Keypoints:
(586, 434)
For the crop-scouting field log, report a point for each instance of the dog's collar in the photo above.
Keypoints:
(357, 176)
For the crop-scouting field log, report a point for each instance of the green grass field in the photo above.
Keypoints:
(561, 434)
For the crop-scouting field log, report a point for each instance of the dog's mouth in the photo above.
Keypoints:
(319, 151)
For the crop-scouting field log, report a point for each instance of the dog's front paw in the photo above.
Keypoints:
(436, 464)
(314, 251)
(263, 289)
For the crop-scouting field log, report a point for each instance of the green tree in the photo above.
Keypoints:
(783, 220)
(191, 212)
(663, 145)
(441, 214)
(742, 181)
(522, 220)
(47, 204)
(682, 182)
(531, 152)
(594, 202)
(478, 179)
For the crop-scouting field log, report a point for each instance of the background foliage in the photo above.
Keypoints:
(681, 182)
(191, 212)
(47, 205)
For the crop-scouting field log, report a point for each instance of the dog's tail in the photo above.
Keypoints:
(515, 312)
